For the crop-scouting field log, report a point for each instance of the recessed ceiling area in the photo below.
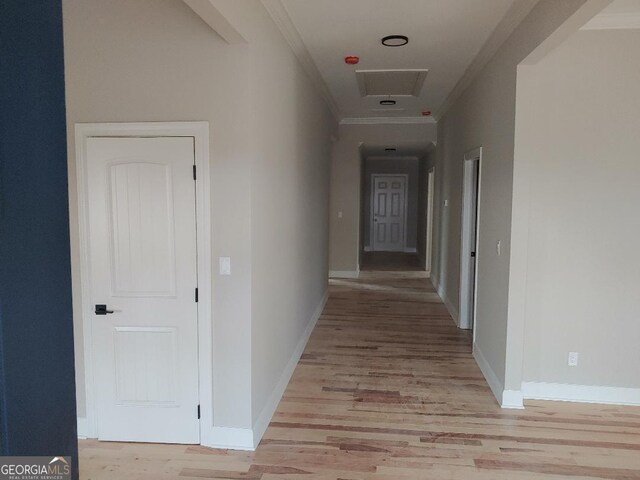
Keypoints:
(444, 36)
(390, 82)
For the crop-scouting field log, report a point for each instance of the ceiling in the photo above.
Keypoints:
(444, 37)
(620, 14)
(622, 7)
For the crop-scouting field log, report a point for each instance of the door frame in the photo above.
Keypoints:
(466, 318)
(199, 131)
(371, 209)
(428, 249)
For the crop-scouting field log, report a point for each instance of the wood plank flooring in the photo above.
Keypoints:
(387, 389)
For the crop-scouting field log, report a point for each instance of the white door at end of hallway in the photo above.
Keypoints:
(388, 212)
(142, 248)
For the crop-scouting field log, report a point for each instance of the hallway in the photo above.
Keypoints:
(387, 388)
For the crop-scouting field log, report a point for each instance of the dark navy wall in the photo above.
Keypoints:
(37, 384)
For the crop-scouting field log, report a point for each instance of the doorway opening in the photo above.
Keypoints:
(469, 243)
(391, 212)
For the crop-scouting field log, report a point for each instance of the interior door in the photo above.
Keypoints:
(389, 204)
(142, 244)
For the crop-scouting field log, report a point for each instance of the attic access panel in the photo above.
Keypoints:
(391, 82)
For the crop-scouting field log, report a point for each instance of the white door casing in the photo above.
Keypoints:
(429, 239)
(191, 139)
(469, 241)
(388, 212)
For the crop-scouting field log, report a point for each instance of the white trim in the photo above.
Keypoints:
(200, 132)
(467, 222)
(410, 250)
(385, 120)
(272, 404)
(506, 398)
(428, 256)
(512, 399)
(367, 248)
(514, 16)
(445, 299)
(282, 19)
(492, 379)
(344, 273)
(581, 393)
(216, 20)
(82, 427)
(613, 21)
(229, 438)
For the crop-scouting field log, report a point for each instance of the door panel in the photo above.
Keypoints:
(142, 243)
(142, 237)
(388, 213)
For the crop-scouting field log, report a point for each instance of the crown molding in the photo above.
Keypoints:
(386, 120)
(613, 21)
(282, 19)
(514, 16)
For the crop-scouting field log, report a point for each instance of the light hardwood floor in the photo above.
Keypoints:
(387, 389)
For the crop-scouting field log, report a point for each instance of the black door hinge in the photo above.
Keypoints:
(198, 412)
(194, 172)
(196, 294)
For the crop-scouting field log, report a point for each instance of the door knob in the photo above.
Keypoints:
(102, 310)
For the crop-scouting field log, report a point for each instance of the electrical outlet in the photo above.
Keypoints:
(572, 359)
(339, 214)
(446, 203)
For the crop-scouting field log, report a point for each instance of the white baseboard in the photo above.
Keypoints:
(512, 399)
(506, 398)
(272, 404)
(581, 393)
(344, 274)
(228, 438)
(410, 250)
(453, 311)
(82, 427)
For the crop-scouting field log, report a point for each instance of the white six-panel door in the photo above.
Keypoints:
(142, 247)
(388, 213)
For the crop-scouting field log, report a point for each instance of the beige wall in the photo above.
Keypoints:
(485, 116)
(578, 143)
(156, 60)
(289, 212)
(344, 243)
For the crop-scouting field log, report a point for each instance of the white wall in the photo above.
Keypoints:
(484, 115)
(156, 60)
(344, 242)
(578, 143)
